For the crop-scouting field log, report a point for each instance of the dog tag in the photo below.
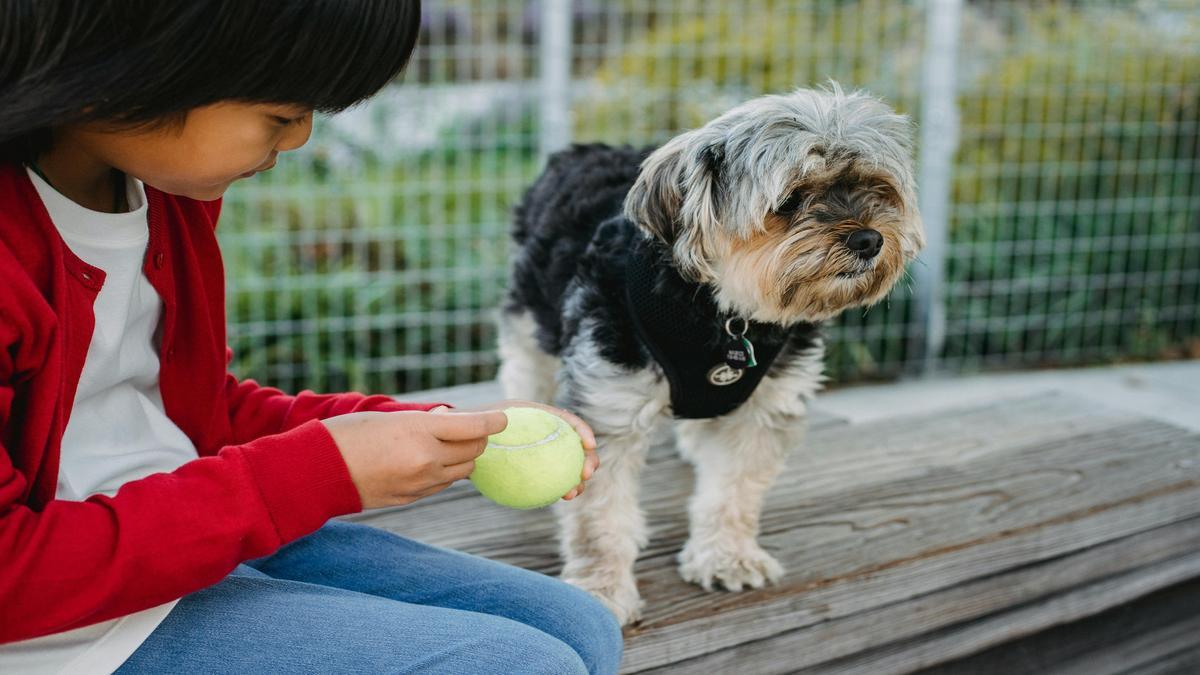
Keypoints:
(739, 353)
(749, 350)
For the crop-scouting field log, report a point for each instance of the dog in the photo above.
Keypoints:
(689, 283)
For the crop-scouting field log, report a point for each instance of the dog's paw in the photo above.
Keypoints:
(734, 565)
(620, 596)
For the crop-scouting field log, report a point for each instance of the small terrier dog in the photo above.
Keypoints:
(690, 282)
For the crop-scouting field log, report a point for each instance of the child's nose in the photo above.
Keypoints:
(296, 134)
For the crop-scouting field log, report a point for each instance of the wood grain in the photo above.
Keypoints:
(1153, 634)
(994, 521)
(911, 628)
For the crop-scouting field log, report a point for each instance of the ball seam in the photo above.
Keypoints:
(553, 436)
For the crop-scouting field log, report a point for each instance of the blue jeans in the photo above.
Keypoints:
(351, 598)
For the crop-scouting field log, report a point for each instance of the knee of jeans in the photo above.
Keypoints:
(551, 656)
(597, 634)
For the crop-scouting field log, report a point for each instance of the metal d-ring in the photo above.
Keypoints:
(729, 326)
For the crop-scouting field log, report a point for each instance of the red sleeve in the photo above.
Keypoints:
(161, 537)
(255, 410)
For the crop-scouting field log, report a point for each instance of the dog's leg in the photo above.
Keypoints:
(603, 529)
(526, 372)
(737, 458)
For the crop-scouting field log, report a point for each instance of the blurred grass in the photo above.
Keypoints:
(399, 265)
(1075, 235)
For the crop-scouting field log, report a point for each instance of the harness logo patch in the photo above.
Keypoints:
(722, 375)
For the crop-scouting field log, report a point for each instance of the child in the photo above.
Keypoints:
(157, 515)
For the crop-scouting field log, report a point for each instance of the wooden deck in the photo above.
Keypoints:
(910, 540)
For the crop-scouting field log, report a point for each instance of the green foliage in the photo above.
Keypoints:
(1075, 221)
(682, 73)
(1075, 234)
(1074, 231)
(374, 282)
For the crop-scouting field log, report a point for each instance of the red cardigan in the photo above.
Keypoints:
(268, 472)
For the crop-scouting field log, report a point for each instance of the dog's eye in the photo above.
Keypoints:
(888, 192)
(789, 205)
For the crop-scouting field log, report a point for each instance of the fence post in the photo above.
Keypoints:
(555, 76)
(938, 142)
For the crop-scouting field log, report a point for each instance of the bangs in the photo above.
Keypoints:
(143, 61)
(324, 54)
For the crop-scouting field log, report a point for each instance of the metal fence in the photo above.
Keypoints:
(1059, 171)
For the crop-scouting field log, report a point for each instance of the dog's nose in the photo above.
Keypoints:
(866, 243)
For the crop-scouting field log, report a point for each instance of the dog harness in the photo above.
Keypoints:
(712, 361)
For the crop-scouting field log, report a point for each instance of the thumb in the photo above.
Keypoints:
(466, 426)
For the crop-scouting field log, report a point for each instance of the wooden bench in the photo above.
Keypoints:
(908, 542)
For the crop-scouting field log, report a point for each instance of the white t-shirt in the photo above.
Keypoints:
(118, 430)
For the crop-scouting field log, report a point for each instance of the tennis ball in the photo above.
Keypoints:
(536, 460)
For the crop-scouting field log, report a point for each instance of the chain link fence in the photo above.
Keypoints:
(1060, 178)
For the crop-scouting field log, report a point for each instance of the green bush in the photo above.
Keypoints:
(683, 73)
(378, 280)
(1074, 229)
(1075, 195)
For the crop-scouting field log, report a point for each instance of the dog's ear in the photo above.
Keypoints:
(655, 199)
(677, 198)
(702, 200)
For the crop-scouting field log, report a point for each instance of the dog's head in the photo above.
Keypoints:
(792, 207)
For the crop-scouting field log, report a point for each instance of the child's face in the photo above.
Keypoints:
(216, 145)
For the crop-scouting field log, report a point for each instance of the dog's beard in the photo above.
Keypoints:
(805, 272)
(761, 204)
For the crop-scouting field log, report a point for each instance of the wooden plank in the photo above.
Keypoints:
(1185, 662)
(918, 618)
(529, 538)
(1156, 633)
(897, 515)
(868, 516)
(960, 641)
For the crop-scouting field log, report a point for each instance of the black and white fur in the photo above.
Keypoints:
(758, 207)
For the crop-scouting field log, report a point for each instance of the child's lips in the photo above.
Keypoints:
(251, 172)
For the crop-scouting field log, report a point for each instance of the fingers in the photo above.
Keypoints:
(450, 476)
(466, 426)
(575, 491)
(585, 432)
(457, 452)
(591, 459)
(433, 490)
(459, 471)
(591, 462)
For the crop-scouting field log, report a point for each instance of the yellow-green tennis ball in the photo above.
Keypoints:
(536, 460)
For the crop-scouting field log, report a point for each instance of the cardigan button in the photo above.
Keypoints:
(158, 260)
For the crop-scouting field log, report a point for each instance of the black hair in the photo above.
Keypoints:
(142, 62)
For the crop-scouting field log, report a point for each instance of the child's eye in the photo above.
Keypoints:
(285, 121)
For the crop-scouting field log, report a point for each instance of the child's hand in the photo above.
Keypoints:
(398, 457)
(591, 459)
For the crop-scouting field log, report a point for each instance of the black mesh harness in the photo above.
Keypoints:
(679, 323)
